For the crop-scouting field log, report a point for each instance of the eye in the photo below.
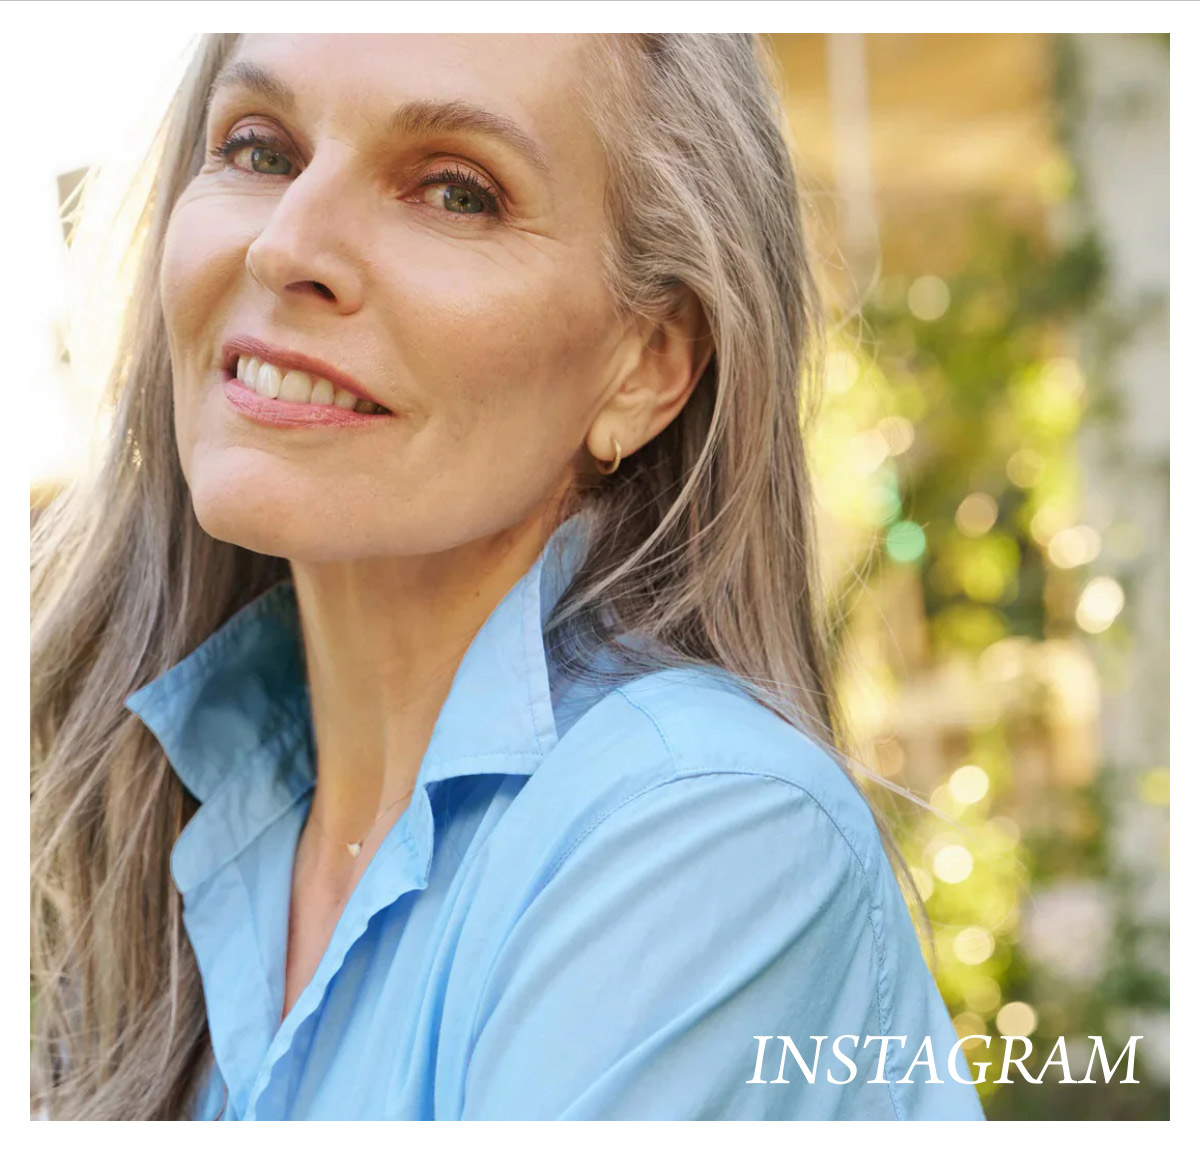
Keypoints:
(458, 191)
(460, 200)
(452, 189)
(260, 155)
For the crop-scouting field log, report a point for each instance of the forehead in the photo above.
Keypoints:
(534, 81)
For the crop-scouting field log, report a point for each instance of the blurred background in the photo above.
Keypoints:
(989, 216)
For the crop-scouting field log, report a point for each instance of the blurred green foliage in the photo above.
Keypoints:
(946, 447)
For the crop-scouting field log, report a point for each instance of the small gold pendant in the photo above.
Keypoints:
(354, 849)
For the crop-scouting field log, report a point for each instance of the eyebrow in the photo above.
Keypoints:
(417, 117)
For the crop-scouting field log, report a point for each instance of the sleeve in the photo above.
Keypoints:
(686, 933)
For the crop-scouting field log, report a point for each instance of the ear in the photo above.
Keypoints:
(667, 363)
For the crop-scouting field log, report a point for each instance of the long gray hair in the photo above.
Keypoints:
(703, 542)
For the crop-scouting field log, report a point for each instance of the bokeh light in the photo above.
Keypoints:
(1024, 467)
(867, 451)
(968, 784)
(1016, 1019)
(905, 541)
(898, 432)
(928, 298)
(841, 371)
(1099, 604)
(976, 514)
(953, 863)
(973, 945)
(1047, 522)
(969, 1024)
(1071, 547)
(982, 994)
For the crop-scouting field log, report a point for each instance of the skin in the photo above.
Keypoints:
(491, 337)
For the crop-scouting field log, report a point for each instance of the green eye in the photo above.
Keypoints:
(463, 193)
(271, 161)
(261, 155)
(460, 200)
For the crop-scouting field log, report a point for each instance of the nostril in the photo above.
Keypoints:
(323, 290)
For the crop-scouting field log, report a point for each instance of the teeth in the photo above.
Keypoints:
(268, 381)
(296, 387)
(299, 387)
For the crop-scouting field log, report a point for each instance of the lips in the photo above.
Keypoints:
(290, 386)
(292, 377)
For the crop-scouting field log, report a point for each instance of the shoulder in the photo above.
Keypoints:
(683, 773)
(690, 733)
(682, 826)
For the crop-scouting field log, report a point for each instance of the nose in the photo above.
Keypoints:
(306, 251)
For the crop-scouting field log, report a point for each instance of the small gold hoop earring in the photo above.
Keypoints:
(608, 471)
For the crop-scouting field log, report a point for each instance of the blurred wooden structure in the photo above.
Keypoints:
(954, 122)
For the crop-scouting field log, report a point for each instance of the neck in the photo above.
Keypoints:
(383, 638)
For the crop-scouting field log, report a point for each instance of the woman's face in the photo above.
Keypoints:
(416, 219)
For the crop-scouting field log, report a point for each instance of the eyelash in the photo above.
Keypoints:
(449, 175)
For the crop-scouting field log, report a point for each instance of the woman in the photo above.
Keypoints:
(455, 559)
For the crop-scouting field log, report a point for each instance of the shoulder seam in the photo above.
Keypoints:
(723, 763)
(654, 722)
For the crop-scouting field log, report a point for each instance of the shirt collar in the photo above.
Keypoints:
(240, 701)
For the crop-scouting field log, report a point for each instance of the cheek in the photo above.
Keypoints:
(201, 258)
(508, 347)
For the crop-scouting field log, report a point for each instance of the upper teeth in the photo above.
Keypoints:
(298, 386)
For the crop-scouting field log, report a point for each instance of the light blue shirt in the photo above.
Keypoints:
(600, 902)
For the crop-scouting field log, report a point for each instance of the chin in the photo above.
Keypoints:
(270, 521)
(254, 530)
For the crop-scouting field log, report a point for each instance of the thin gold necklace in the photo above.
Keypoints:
(355, 848)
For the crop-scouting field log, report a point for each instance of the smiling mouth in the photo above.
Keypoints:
(291, 386)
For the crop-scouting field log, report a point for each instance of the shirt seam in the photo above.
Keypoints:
(655, 723)
(534, 652)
